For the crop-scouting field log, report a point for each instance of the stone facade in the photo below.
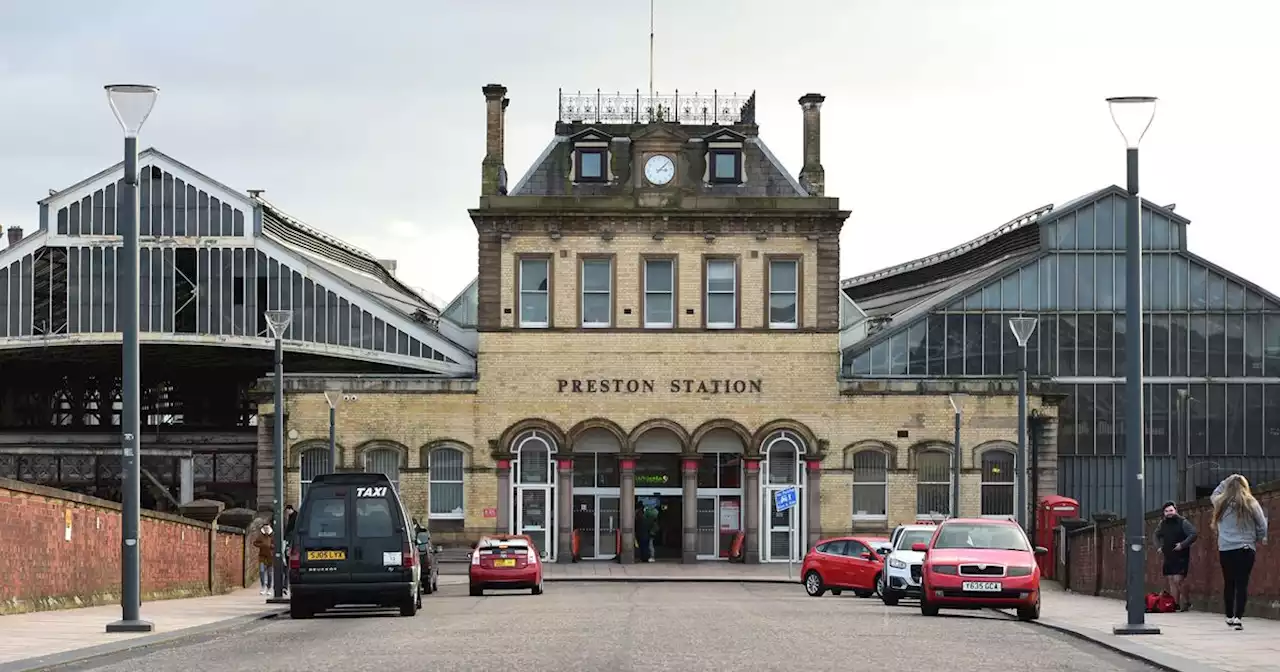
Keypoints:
(754, 390)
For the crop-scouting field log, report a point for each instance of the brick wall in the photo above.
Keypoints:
(1096, 563)
(43, 569)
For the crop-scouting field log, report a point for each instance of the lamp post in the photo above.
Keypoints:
(955, 461)
(132, 104)
(332, 397)
(1132, 116)
(1022, 328)
(278, 321)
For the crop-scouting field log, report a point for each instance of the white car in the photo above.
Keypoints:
(901, 577)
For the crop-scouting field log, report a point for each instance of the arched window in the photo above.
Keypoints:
(933, 482)
(446, 491)
(997, 483)
(533, 455)
(870, 485)
(782, 451)
(313, 462)
(384, 461)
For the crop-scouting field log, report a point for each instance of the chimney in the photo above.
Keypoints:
(389, 265)
(812, 177)
(15, 235)
(492, 171)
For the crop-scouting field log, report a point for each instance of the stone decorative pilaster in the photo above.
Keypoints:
(689, 481)
(503, 523)
(751, 493)
(564, 511)
(813, 504)
(627, 506)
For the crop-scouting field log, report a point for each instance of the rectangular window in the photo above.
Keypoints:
(726, 166)
(590, 166)
(374, 518)
(535, 292)
(784, 293)
(721, 300)
(597, 292)
(659, 293)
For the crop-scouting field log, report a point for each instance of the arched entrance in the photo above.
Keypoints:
(596, 507)
(659, 494)
(782, 538)
(534, 489)
(719, 494)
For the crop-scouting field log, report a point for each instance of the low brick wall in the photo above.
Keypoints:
(61, 550)
(1095, 559)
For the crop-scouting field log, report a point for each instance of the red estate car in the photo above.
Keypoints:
(980, 563)
(505, 562)
(843, 563)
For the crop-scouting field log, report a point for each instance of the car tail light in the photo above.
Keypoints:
(475, 557)
(406, 555)
(533, 557)
(295, 558)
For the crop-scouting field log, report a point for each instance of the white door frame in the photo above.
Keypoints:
(718, 495)
(601, 542)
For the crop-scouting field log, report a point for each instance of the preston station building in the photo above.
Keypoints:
(658, 320)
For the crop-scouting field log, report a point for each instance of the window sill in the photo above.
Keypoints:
(721, 325)
(783, 325)
(596, 325)
(446, 516)
(658, 325)
(870, 519)
(534, 325)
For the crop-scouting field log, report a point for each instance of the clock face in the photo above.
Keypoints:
(659, 169)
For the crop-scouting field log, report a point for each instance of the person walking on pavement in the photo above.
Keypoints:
(291, 519)
(1241, 525)
(263, 543)
(1174, 536)
(642, 533)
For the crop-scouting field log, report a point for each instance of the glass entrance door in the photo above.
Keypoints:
(534, 518)
(608, 520)
(784, 531)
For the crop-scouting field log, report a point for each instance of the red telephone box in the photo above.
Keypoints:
(1050, 511)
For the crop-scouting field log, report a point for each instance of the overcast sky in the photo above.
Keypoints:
(943, 120)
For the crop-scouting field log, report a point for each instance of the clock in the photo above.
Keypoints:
(659, 169)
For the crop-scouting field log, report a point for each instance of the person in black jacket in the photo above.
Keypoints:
(1174, 536)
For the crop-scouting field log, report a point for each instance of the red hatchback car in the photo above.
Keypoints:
(843, 563)
(980, 563)
(505, 562)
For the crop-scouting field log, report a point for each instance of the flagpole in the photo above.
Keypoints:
(651, 51)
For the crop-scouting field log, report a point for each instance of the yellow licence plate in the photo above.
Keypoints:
(326, 555)
(510, 562)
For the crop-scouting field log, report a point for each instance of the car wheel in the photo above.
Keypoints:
(1030, 613)
(410, 607)
(813, 584)
(419, 599)
(428, 587)
(890, 598)
(537, 590)
(435, 583)
(926, 608)
(476, 592)
(299, 610)
(879, 584)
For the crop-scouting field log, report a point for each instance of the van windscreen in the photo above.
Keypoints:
(374, 518)
(327, 517)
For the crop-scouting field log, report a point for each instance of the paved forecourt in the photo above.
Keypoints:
(633, 626)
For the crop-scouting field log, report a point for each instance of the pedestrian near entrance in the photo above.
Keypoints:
(263, 543)
(1241, 525)
(1174, 536)
(642, 534)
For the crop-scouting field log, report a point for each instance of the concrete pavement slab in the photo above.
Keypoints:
(39, 640)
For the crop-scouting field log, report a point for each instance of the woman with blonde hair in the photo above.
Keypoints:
(1241, 525)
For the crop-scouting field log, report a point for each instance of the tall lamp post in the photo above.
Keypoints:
(955, 461)
(1022, 328)
(1132, 116)
(132, 104)
(278, 321)
(332, 397)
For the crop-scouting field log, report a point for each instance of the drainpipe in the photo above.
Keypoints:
(1037, 423)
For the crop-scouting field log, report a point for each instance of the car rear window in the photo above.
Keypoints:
(327, 518)
(513, 545)
(374, 518)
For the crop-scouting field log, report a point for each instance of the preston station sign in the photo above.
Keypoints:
(649, 386)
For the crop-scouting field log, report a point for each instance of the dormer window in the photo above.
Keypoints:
(726, 166)
(724, 157)
(590, 156)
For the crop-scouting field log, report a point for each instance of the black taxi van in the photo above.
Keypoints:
(353, 544)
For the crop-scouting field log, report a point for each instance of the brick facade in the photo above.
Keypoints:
(45, 570)
(1095, 562)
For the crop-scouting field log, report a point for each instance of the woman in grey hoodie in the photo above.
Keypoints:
(1241, 525)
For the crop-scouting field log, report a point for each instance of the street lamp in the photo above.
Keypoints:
(278, 321)
(332, 397)
(132, 104)
(955, 461)
(1022, 328)
(1132, 116)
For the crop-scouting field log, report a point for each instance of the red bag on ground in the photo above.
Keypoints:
(1161, 603)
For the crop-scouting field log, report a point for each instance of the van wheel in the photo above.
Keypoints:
(410, 608)
(813, 584)
(299, 610)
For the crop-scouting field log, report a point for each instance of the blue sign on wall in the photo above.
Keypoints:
(784, 499)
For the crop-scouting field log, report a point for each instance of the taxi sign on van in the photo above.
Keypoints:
(372, 491)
